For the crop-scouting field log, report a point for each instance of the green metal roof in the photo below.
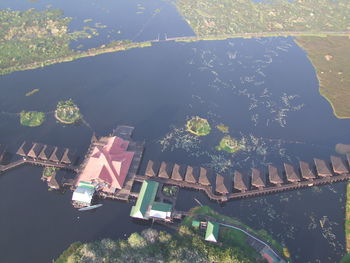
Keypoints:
(212, 231)
(146, 197)
(86, 184)
(163, 207)
(195, 223)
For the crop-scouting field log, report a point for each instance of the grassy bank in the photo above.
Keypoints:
(331, 58)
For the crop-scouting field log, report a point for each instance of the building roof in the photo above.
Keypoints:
(35, 150)
(338, 165)
(196, 223)
(258, 180)
(162, 207)
(163, 172)
(145, 199)
(239, 181)
(212, 232)
(108, 165)
(46, 152)
(189, 177)
(2, 152)
(322, 168)
(291, 175)
(24, 149)
(53, 182)
(306, 171)
(56, 155)
(220, 186)
(84, 193)
(203, 179)
(274, 175)
(150, 169)
(176, 173)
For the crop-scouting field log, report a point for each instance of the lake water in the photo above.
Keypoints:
(265, 90)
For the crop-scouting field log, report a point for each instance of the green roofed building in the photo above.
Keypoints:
(212, 232)
(196, 223)
(161, 210)
(145, 200)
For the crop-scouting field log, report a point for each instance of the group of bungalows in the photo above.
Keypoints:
(38, 151)
(147, 207)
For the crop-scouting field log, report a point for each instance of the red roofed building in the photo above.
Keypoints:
(108, 164)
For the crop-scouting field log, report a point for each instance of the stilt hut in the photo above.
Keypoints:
(56, 155)
(291, 175)
(258, 180)
(322, 168)
(189, 177)
(220, 185)
(338, 165)
(46, 152)
(150, 169)
(239, 182)
(163, 173)
(306, 171)
(53, 184)
(35, 150)
(67, 157)
(203, 179)
(24, 149)
(274, 176)
(176, 173)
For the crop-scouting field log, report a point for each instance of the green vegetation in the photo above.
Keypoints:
(207, 211)
(198, 126)
(48, 171)
(155, 246)
(170, 190)
(67, 112)
(345, 259)
(32, 118)
(32, 39)
(347, 218)
(228, 17)
(30, 93)
(229, 145)
(221, 127)
(331, 58)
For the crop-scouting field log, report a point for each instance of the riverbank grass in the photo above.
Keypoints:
(67, 112)
(32, 118)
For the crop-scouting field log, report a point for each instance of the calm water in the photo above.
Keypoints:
(265, 90)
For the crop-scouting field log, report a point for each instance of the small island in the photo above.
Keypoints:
(229, 145)
(32, 118)
(48, 172)
(223, 128)
(198, 126)
(67, 112)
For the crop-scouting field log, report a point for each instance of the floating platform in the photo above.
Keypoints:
(239, 182)
(306, 171)
(291, 175)
(274, 176)
(322, 168)
(338, 165)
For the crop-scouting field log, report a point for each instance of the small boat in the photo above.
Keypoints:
(91, 207)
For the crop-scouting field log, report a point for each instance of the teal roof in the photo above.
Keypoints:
(195, 223)
(212, 231)
(163, 207)
(86, 184)
(146, 197)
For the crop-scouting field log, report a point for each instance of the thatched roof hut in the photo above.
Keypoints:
(220, 185)
(189, 176)
(67, 157)
(176, 173)
(239, 182)
(150, 169)
(338, 165)
(306, 171)
(322, 168)
(163, 173)
(258, 180)
(46, 152)
(56, 155)
(24, 149)
(53, 184)
(35, 150)
(274, 176)
(291, 175)
(203, 179)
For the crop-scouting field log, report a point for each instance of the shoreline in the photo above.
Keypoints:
(62, 121)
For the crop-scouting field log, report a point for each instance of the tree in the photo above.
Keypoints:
(136, 241)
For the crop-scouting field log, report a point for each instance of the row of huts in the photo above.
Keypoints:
(257, 179)
(38, 151)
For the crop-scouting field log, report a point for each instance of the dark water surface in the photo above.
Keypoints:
(265, 90)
